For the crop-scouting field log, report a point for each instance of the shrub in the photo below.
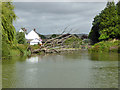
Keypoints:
(20, 36)
(107, 46)
(73, 42)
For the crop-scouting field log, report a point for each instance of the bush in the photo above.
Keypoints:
(14, 50)
(73, 42)
(35, 47)
(5, 49)
(107, 46)
(20, 36)
(54, 36)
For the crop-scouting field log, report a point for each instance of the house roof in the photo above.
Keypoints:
(21, 30)
(32, 35)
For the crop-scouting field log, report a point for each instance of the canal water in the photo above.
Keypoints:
(78, 69)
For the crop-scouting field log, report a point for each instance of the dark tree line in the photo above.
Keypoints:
(106, 25)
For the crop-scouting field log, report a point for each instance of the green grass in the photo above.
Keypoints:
(23, 49)
(35, 47)
(106, 46)
(73, 42)
(15, 50)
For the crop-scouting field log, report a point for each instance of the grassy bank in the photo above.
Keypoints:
(106, 46)
(16, 50)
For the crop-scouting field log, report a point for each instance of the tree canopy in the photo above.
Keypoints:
(53, 36)
(20, 36)
(106, 24)
(8, 30)
(8, 15)
(42, 36)
(118, 12)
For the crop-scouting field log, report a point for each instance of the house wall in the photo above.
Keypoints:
(33, 43)
(32, 35)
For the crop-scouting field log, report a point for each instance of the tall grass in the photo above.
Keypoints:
(106, 46)
(15, 50)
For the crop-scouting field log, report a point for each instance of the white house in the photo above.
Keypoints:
(32, 35)
(35, 41)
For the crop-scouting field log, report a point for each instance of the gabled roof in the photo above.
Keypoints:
(32, 35)
(23, 30)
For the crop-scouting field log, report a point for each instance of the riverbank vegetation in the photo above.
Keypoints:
(106, 46)
(73, 42)
(105, 32)
(16, 50)
(106, 25)
(10, 46)
(20, 37)
(8, 30)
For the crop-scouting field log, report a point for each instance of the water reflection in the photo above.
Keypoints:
(33, 59)
(76, 70)
(104, 56)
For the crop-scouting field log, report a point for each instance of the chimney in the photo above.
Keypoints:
(34, 29)
(25, 29)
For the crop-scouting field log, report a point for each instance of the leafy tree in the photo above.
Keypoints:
(118, 12)
(94, 33)
(84, 36)
(106, 25)
(20, 36)
(108, 22)
(53, 36)
(42, 36)
(8, 30)
(8, 15)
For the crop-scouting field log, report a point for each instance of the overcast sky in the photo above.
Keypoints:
(53, 17)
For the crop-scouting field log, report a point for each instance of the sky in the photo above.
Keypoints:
(54, 17)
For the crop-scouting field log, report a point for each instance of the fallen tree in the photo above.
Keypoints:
(50, 44)
(58, 41)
